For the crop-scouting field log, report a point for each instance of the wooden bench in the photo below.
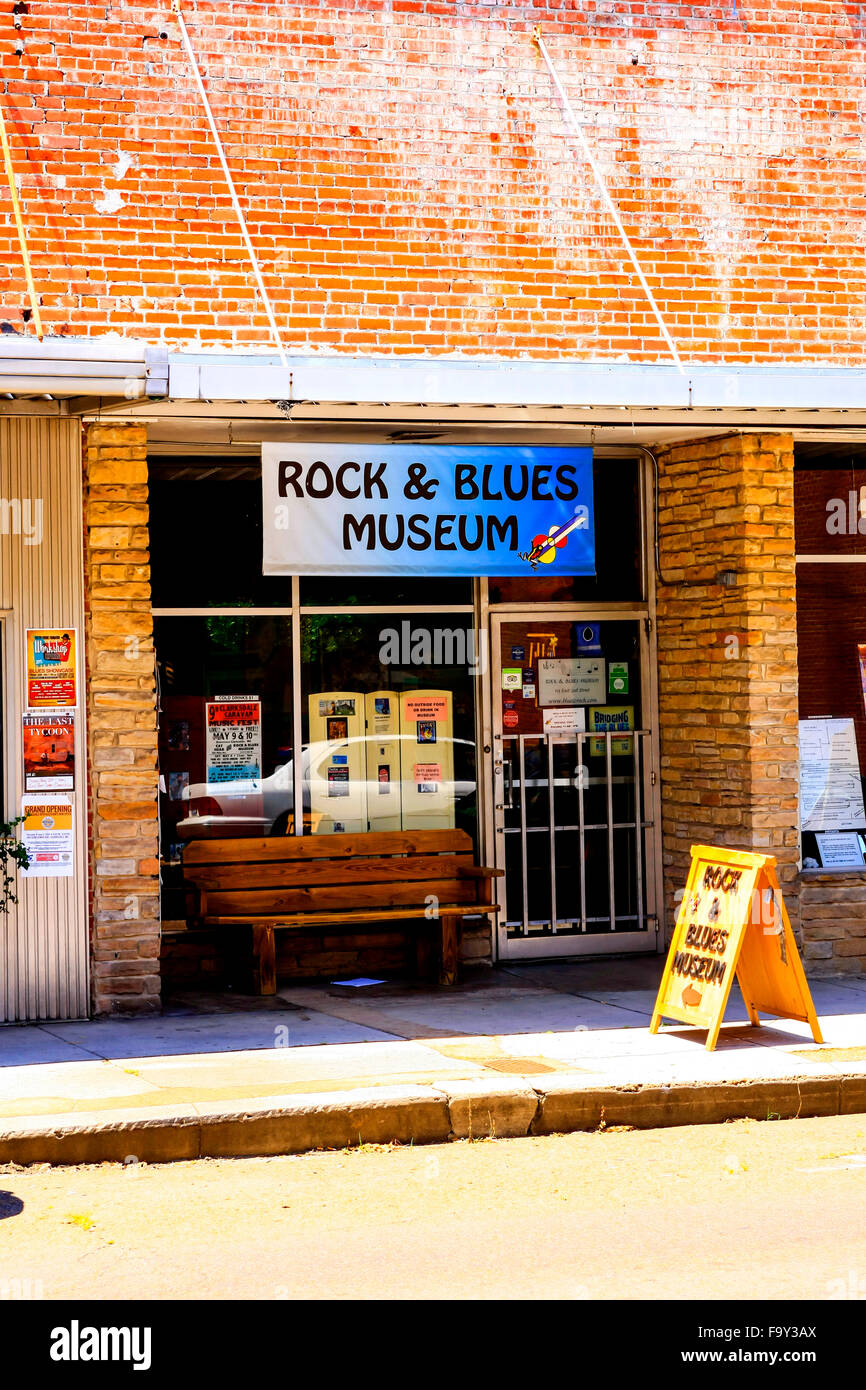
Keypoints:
(294, 883)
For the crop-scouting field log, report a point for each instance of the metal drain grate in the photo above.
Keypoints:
(523, 1066)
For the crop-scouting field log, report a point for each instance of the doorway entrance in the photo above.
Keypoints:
(573, 765)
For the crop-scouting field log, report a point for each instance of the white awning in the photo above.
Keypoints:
(66, 368)
(509, 382)
(126, 376)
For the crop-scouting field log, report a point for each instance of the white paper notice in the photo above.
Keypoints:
(831, 793)
(563, 721)
(840, 850)
(571, 681)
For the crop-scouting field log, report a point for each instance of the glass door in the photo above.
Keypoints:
(573, 780)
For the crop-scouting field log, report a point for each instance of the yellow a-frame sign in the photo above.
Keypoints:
(732, 921)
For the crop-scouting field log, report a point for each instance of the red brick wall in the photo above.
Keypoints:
(408, 187)
(820, 525)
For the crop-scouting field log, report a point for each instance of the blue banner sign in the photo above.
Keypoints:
(429, 509)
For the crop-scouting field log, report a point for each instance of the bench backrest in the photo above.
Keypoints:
(289, 873)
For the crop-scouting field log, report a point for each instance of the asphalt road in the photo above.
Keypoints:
(745, 1210)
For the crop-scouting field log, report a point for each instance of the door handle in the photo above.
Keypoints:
(503, 765)
(508, 775)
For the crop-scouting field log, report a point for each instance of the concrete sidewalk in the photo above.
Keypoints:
(516, 1050)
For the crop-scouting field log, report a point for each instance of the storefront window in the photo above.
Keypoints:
(225, 734)
(206, 536)
(830, 501)
(389, 721)
(386, 722)
(369, 723)
(339, 592)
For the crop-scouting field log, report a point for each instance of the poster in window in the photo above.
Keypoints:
(51, 668)
(177, 736)
(382, 760)
(610, 719)
(831, 792)
(49, 752)
(178, 782)
(338, 729)
(233, 725)
(570, 681)
(338, 781)
(561, 720)
(861, 653)
(328, 707)
(427, 778)
(839, 849)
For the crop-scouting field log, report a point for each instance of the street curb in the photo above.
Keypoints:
(417, 1115)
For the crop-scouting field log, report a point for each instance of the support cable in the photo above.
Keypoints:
(606, 198)
(19, 223)
(175, 5)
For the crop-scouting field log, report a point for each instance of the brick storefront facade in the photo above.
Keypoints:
(728, 654)
(121, 713)
(415, 200)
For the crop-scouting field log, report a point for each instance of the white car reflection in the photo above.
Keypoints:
(264, 806)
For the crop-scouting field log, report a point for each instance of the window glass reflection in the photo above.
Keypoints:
(389, 722)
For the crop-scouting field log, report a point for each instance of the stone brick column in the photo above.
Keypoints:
(728, 655)
(121, 711)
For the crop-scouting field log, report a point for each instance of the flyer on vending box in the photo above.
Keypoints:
(49, 752)
(233, 726)
(426, 707)
(51, 668)
(47, 836)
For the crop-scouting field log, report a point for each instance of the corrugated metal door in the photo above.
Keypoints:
(44, 941)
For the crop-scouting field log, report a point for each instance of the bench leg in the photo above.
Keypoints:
(448, 961)
(266, 959)
(424, 953)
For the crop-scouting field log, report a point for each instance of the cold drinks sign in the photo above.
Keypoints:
(397, 509)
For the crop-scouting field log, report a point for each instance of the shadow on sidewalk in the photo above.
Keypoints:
(562, 997)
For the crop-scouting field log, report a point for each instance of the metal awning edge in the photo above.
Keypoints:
(401, 381)
(75, 366)
(132, 369)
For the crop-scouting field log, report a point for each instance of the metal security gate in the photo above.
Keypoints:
(573, 806)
